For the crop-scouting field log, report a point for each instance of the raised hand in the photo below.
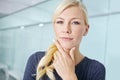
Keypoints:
(64, 62)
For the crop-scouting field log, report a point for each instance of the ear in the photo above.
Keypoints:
(86, 30)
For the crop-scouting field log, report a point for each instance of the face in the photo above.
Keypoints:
(70, 27)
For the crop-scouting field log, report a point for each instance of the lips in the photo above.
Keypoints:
(66, 38)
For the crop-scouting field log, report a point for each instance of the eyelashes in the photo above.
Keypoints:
(76, 22)
(59, 22)
(72, 22)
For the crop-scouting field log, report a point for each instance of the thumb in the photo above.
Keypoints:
(72, 53)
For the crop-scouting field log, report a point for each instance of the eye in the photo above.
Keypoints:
(76, 22)
(59, 22)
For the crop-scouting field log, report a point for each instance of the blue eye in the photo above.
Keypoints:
(76, 22)
(59, 22)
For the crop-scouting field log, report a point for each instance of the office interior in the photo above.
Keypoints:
(26, 27)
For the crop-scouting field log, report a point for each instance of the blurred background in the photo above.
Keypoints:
(25, 28)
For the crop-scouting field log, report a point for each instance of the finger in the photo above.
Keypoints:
(55, 56)
(59, 55)
(60, 48)
(72, 53)
(54, 63)
(55, 59)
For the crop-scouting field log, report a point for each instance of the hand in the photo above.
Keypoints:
(64, 63)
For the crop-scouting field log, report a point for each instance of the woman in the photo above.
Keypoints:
(63, 60)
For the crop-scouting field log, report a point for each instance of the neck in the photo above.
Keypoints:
(78, 57)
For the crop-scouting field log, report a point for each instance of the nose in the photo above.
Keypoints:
(67, 28)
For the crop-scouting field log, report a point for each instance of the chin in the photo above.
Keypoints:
(67, 46)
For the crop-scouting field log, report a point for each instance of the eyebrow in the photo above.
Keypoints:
(71, 18)
(60, 18)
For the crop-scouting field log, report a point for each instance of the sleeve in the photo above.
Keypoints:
(30, 70)
(98, 71)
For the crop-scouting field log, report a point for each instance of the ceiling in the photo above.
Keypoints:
(8, 7)
(25, 12)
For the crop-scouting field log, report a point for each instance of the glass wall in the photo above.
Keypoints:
(16, 45)
(102, 43)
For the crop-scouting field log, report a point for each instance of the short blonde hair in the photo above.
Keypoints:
(45, 65)
(69, 3)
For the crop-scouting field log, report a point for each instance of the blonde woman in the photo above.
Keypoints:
(63, 60)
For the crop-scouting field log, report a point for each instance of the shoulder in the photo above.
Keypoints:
(91, 64)
(90, 69)
(97, 69)
(34, 59)
(95, 64)
(36, 56)
(31, 65)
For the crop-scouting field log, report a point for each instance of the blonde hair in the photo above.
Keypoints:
(45, 65)
(69, 3)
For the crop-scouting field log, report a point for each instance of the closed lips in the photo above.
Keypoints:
(66, 38)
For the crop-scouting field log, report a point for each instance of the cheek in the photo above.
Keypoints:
(78, 35)
(56, 31)
(79, 32)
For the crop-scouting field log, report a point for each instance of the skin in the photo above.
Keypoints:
(69, 28)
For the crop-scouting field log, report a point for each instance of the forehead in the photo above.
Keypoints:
(72, 12)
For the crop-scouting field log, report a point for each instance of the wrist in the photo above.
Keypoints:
(71, 77)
